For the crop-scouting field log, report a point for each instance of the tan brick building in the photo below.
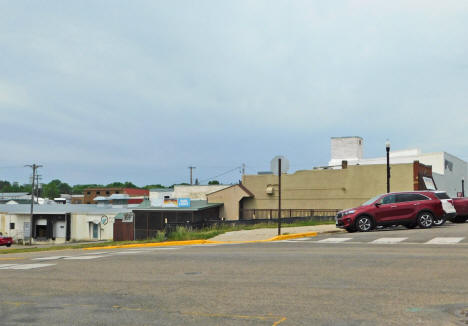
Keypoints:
(320, 189)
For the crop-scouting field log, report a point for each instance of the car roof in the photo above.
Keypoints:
(411, 192)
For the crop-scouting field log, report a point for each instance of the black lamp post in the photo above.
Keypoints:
(387, 147)
(463, 187)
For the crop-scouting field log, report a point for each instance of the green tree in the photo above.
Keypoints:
(157, 186)
(50, 190)
(213, 182)
(78, 189)
(126, 184)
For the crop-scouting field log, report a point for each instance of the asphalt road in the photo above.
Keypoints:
(311, 281)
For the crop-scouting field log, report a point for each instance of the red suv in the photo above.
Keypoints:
(5, 241)
(411, 209)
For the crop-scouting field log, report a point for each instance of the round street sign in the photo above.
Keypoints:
(275, 163)
(104, 220)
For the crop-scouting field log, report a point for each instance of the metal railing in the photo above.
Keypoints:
(251, 214)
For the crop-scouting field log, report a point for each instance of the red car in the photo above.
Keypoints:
(461, 205)
(411, 209)
(5, 241)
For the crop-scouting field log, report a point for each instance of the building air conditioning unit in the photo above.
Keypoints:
(269, 190)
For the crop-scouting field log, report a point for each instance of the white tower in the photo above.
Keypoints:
(346, 149)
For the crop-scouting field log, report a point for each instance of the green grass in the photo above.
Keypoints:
(180, 234)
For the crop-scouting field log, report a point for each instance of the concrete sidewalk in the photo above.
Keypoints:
(264, 234)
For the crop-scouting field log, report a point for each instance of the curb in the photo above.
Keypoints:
(293, 236)
(201, 242)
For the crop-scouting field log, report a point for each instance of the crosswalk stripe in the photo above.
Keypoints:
(445, 240)
(50, 258)
(154, 249)
(24, 266)
(388, 240)
(98, 253)
(83, 257)
(334, 240)
(128, 252)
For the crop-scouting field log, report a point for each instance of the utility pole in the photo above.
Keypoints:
(243, 169)
(387, 148)
(38, 178)
(191, 174)
(34, 168)
(279, 196)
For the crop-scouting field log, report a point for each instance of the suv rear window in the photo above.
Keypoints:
(442, 195)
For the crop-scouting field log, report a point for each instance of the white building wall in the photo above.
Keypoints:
(346, 149)
(17, 232)
(157, 197)
(81, 227)
(455, 170)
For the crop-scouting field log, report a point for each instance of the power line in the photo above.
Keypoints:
(220, 175)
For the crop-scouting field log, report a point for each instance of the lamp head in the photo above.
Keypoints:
(387, 144)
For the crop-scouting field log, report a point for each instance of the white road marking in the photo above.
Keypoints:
(25, 266)
(83, 257)
(5, 266)
(445, 240)
(334, 240)
(388, 240)
(154, 249)
(208, 245)
(99, 253)
(50, 258)
(128, 252)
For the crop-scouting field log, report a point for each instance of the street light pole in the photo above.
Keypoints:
(279, 196)
(463, 187)
(387, 147)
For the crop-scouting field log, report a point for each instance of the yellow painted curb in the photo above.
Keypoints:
(201, 242)
(294, 236)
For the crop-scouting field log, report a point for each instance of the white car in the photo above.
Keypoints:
(447, 205)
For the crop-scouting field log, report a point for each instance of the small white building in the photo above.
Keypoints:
(192, 192)
(59, 223)
(447, 169)
(196, 192)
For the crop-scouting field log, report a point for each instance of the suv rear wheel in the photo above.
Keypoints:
(364, 223)
(459, 219)
(439, 221)
(425, 220)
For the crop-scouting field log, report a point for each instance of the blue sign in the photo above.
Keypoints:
(183, 202)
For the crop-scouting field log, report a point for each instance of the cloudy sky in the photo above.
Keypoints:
(102, 91)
